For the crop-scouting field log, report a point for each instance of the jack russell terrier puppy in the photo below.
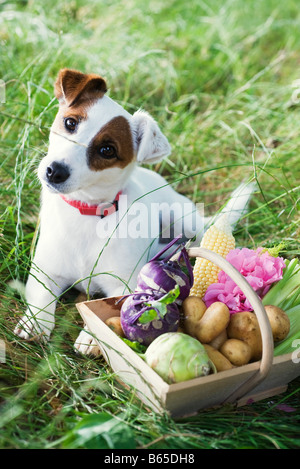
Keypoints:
(91, 185)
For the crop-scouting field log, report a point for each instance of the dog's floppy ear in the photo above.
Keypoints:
(72, 86)
(152, 145)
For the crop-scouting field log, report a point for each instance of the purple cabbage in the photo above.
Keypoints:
(153, 309)
(161, 276)
(145, 316)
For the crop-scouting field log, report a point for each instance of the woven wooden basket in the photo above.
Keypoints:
(239, 385)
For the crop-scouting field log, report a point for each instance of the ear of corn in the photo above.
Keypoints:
(218, 238)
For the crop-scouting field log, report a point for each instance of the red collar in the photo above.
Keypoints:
(101, 210)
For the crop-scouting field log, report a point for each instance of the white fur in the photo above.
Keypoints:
(70, 249)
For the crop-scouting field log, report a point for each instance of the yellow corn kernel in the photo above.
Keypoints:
(218, 238)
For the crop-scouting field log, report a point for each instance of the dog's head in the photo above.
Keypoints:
(94, 142)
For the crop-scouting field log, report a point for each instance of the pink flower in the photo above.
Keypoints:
(259, 268)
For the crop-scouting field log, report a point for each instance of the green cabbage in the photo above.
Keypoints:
(178, 357)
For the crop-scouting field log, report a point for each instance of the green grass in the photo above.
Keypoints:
(222, 80)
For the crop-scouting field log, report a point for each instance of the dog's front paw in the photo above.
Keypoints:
(29, 328)
(86, 344)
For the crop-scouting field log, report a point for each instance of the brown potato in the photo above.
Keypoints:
(219, 360)
(114, 323)
(213, 322)
(279, 321)
(193, 309)
(219, 340)
(245, 326)
(236, 351)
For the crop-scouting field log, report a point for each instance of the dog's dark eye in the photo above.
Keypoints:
(108, 151)
(70, 124)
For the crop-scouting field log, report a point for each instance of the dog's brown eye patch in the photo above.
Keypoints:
(112, 146)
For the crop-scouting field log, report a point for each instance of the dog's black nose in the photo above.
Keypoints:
(57, 173)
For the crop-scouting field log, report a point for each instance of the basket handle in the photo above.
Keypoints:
(264, 324)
